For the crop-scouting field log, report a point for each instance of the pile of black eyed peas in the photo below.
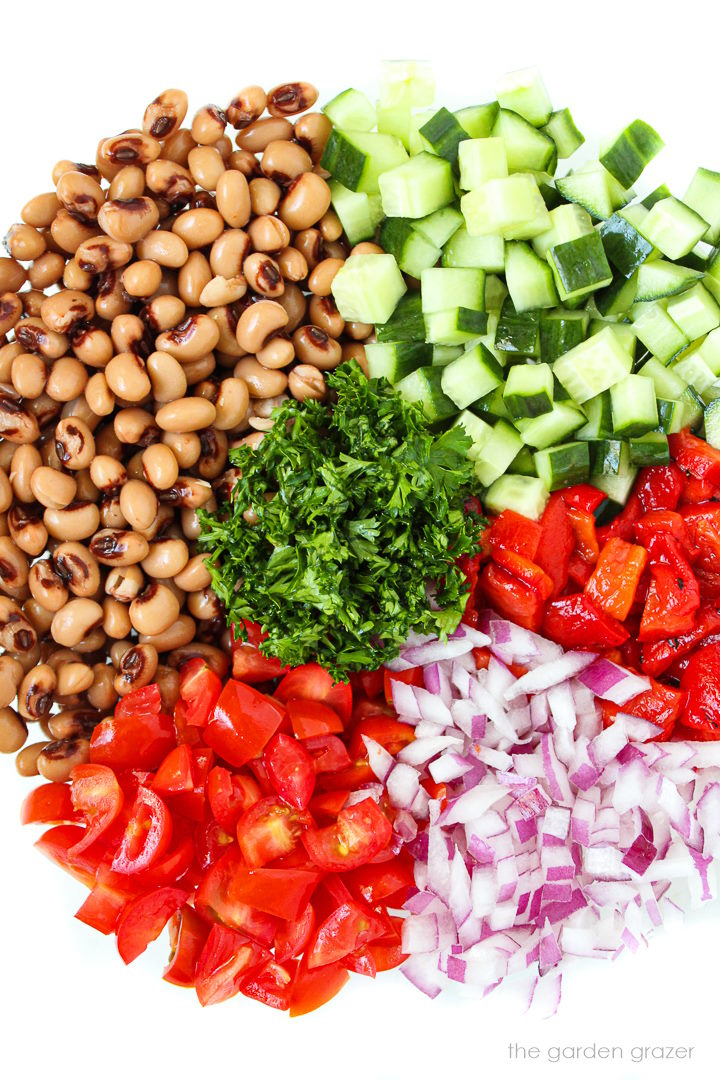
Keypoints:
(154, 308)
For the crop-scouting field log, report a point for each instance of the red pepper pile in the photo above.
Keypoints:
(644, 590)
(228, 820)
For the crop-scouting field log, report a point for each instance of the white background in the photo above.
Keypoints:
(73, 73)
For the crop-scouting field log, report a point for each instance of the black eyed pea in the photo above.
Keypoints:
(244, 162)
(258, 322)
(168, 681)
(323, 313)
(263, 275)
(36, 337)
(11, 309)
(191, 339)
(199, 227)
(188, 492)
(57, 760)
(293, 264)
(77, 568)
(284, 161)
(208, 125)
(219, 291)
(74, 678)
(228, 253)
(321, 279)
(289, 99)
(330, 226)
(14, 565)
(265, 194)
(355, 350)
(261, 382)
(185, 445)
(111, 516)
(28, 374)
(11, 675)
(160, 466)
(206, 166)
(13, 731)
(306, 201)
(92, 643)
(94, 347)
(35, 695)
(76, 521)
(107, 473)
(314, 346)
(268, 234)
(127, 378)
(26, 528)
(124, 583)
(178, 146)
(130, 148)
(75, 621)
(75, 278)
(154, 610)
(164, 248)
(135, 427)
(98, 395)
(137, 668)
(215, 658)
(165, 114)
(6, 492)
(46, 586)
(186, 414)
(129, 183)
(142, 278)
(257, 135)
(278, 352)
(17, 633)
(74, 444)
(163, 313)
(231, 404)
(12, 275)
(310, 244)
(138, 504)
(193, 277)
(233, 198)
(176, 636)
(47, 270)
(194, 575)
(166, 377)
(80, 194)
(116, 620)
(118, 547)
(170, 181)
(101, 695)
(214, 453)
(67, 381)
(166, 558)
(246, 106)
(24, 243)
(26, 762)
(40, 210)
(25, 460)
(68, 232)
(102, 253)
(52, 488)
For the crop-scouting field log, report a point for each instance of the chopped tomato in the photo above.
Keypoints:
(412, 676)
(174, 774)
(326, 807)
(392, 734)
(350, 926)
(199, 690)
(584, 497)
(98, 797)
(173, 866)
(147, 835)
(328, 753)
(313, 683)
(312, 718)
(103, 906)
(511, 598)
(188, 934)
(696, 457)
(133, 739)
(701, 680)
(512, 532)
(230, 795)
(143, 920)
(49, 804)
(226, 960)
(674, 593)
(576, 623)
(371, 682)
(315, 987)
(387, 957)
(216, 899)
(361, 832)
(283, 893)
(271, 984)
(376, 881)
(290, 770)
(557, 541)
(481, 656)
(211, 841)
(659, 487)
(269, 830)
(616, 577)
(292, 936)
(59, 843)
(362, 962)
(242, 723)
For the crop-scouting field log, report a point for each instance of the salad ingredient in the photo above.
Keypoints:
(357, 513)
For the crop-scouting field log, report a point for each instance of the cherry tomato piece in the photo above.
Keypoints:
(230, 795)
(315, 987)
(290, 770)
(313, 683)
(217, 900)
(98, 797)
(188, 934)
(242, 723)
(292, 936)
(199, 690)
(143, 920)
(312, 718)
(269, 830)
(49, 804)
(272, 985)
(226, 960)
(361, 832)
(147, 835)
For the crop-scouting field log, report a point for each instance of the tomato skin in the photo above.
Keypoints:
(362, 962)
(269, 830)
(371, 683)
(290, 770)
(211, 841)
(242, 723)
(361, 832)
(392, 735)
(49, 804)
(310, 718)
(283, 893)
(226, 959)
(230, 795)
(313, 988)
(349, 927)
(199, 690)
(328, 753)
(313, 683)
(701, 680)
(103, 906)
(174, 774)
(376, 881)
(59, 844)
(130, 740)
(98, 798)
(696, 457)
(147, 835)
(293, 935)
(143, 920)
(272, 985)
(411, 676)
(188, 934)
(326, 806)
(216, 900)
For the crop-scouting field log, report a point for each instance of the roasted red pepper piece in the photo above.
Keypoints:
(702, 683)
(584, 497)
(616, 577)
(624, 524)
(670, 521)
(659, 487)
(511, 598)
(513, 532)
(576, 623)
(703, 524)
(579, 571)
(696, 457)
(659, 655)
(527, 571)
(586, 541)
(557, 541)
(660, 704)
(470, 566)
(674, 593)
(697, 491)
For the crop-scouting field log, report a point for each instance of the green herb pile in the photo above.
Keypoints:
(360, 517)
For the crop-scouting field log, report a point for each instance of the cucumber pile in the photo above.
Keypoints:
(566, 323)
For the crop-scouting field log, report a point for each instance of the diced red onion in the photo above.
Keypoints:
(613, 683)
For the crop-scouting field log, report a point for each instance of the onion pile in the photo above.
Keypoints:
(558, 837)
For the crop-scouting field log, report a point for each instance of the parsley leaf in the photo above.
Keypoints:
(360, 516)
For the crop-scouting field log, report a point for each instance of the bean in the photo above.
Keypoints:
(163, 313)
(160, 466)
(35, 694)
(29, 375)
(168, 682)
(268, 234)
(353, 350)
(137, 668)
(193, 278)
(12, 275)
(101, 253)
(77, 568)
(116, 620)
(138, 504)
(124, 583)
(321, 279)
(47, 586)
(51, 488)
(69, 232)
(165, 114)
(66, 382)
(129, 183)
(24, 243)
(40, 210)
(265, 194)
(36, 337)
(163, 247)
(246, 106)
(13, 565)
(127, 378)
(166, 376)
(6, 491)
(256, 135)
(11, 674)
(95, 641)
(93, 346)
(179, 634)
(27, 529)
(98, 395)
(111, 516)
(208, 125)
(131, 148)
(166, 558)
(307, 200)
(323, 314)
(128, 220)
(310, 244)
(293, 265)
(17, 424)
(13, 731)
(75, 278)
(186, 414)
(75, 620)
(185, 446)
(118, 547)
(263, 275)
(206, 166)
(74, 679)
(80, 194)
(29, 303)
(27, 760)
(220, 291)
(214, 453)
(314, 346)
(155, 610)
(244, 162)
(289, 99)
(194, 575)
(101, 695)
(295, 306)
(25, 461)
(142, 278)
(330, 226)
(231, 404)
(11, 309)
(135, 427)
(74, 443)
(278, 352)
(228, 253)
(171, 181)
(198, 227)
(261, 382)
(192, 339)
(258, 322)
(107, 473)
(233, 198)
(188, 492)
(47, 270)
(57, 760)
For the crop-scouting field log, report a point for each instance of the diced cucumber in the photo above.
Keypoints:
(517, 332)
(442, 355)
(712, 424)
(650, 449)
(670, 416)
(529, 390)
(444, 134)
(605, 457)
(626, 156)
(562, 466)
(526, 147)
(618, 297)
(472, 376)
(668, 384)
(477, 429)
(563, 132)
(525, 93)
(357, 159)
(406, 84)
(413, 251)
(359, 214)
(673, 228)
(658, 278)
(593, 366)
(695, 312)
(484, 252)
(456, 326)
(624, 332)
(406, 322)
(580, 266)
(511, 206)
(529, 278)
(618, 486)
(499, 451)
(396, 121)
(634, 408)
(709, 349)
(691, 367)
(418, 187)
(590, 190)
(443, 288)
(661, 192)
(550, 428)
(524, 463)
(478, 120)
(423, 386)
(351, 110)
(481, 160)
(493, 406)
(495, 293)
(692, 408)
(703, 196)
(439, 226)
(526, 495)
(393, 360)
(657, 331)
(367, 288)
(561, 331)
(599, 418)
(625, 248)
(567, 222)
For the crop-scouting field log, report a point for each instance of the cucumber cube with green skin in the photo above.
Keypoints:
(444, 134)
(605, 457)
(634, 148)
(526, 495)
(673, 228)
(517, 332)
(650, 449)
(439, 226)
(524, 464)
(351, 110)
(580, 266)
(599, 418)
(497, 454)
(359, 214)
(568, 222)
(423, 387)
(524, 92)
(527, 148)
(659, 278)
(529, 278)
(483, 252)
(367, 288)
(617, 486)
(406, 322)
(417, 187)
(618, 297)
(510, 206)
(456, 326)
(670, 416)
(712, 424)
(591, 190)
(357, 159)
(442, 355)
(634, 406)
(478, 120)
(657, 331)
(661, 192)
(625, 248)
(529, 390)
(481, 160)
(563, 132)
(695, 312)
(393, 360)
(703, 196)
(593, 366)
(442, 288)
(476, 429)
(552, 427)
(560, 332)
(413, 251)
(668, 384)
(562, 466)
(709, 349)
(492, 405)
(472, 376)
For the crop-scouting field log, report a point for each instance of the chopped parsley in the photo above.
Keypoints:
(360, 517)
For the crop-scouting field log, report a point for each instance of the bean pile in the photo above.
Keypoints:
(154, 309)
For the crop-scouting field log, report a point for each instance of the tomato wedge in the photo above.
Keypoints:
(312, 718)
(290, 770)
(272, 985)
(59, 844)
(133, 739)
(283, 893)
(360, 833)
(188, 934)
(49, 804)
(227, 958)
(103, 906)
(98, 797)
(328, 753)
(230, 795)
(242, 723)
(199, 690)
(313, 683)
(144, 918)
(349, 927)
(175, 773)
(313, 988)
(216, 898)
(147, 835)
(292, 937)
(269, 830)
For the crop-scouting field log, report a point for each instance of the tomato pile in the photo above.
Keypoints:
(643, 590)
(238, 821)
